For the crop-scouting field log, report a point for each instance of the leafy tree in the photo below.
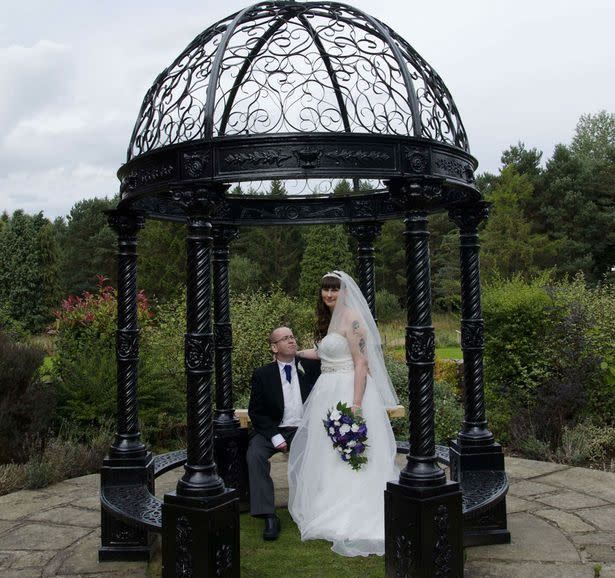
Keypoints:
(594, 137)
(28, 271)
(245, 276)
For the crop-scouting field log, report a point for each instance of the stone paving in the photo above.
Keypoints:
(562, 521)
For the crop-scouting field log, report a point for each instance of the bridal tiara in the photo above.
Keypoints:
(332, 274)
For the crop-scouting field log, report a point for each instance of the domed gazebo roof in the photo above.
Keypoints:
(295, 90)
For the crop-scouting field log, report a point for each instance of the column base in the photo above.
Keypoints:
(230, 448)
(200, 536)
(423, 531)
(119, 541)
(488, 527)
(463, 458)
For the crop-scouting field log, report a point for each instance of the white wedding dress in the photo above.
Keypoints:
(327, 498)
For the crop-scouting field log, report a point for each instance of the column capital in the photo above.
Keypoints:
(365, 232)
(125, 223)
(223, 235)
(200, 201)
(417, 194)
(468, 217)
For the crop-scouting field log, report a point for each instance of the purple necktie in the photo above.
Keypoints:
(287, 372)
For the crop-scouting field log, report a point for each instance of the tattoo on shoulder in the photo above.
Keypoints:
(355, 326)
(362, 345)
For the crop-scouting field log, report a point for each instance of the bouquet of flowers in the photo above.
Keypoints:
(348, 432)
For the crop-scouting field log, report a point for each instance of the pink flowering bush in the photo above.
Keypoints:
(84, 367)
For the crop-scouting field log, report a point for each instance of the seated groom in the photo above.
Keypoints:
(278, 392)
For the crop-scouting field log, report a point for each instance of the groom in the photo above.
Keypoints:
(278, 391)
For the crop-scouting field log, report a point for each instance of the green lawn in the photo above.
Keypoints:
(449, 353)
(289, 557)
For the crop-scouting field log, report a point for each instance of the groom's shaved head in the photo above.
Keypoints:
(277, 333)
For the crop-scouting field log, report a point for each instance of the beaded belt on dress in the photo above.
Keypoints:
(337, 368)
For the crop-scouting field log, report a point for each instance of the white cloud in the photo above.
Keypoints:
(72, 86)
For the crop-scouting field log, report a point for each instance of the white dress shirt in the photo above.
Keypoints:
(293, 404)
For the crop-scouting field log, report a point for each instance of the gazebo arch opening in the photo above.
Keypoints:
(306, 93)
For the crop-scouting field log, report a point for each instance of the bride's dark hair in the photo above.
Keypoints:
(323, 313)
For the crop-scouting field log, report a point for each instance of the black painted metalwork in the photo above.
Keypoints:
(422, 468)
(475, 431)
(347, 72)
(223, 333)
(127, 442)
(201, 477)
(365, 235)
(312, 92)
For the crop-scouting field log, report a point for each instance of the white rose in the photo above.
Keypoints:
(336, 423)
(354, 427)
(339, 449)
(347, 451)
(345, 429)
(331, 430)
(351, 444)
(335, 415)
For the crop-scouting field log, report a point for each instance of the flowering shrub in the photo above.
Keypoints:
(96, 311)
(84, 367)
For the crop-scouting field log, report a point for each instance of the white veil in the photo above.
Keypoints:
(350, 308)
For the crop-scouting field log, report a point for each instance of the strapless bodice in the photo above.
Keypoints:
(334, 353)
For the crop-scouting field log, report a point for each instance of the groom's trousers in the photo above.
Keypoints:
(260, 450)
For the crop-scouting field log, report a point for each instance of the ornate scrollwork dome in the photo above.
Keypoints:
(290, 67)
(307, 93)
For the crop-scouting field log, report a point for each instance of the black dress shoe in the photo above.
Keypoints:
(272, 528)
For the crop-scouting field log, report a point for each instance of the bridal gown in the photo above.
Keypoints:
(327, 498)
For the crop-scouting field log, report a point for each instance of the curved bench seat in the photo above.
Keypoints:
(480, 489)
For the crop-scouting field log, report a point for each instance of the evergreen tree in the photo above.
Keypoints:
(162, 259)
(509, 244)
(28, 272)
(326, 249)
(89, 246)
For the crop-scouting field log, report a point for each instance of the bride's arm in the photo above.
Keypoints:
(355, 334)
(308, 354)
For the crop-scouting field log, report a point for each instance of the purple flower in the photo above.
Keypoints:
(362, 429)
(359, 448)
(346, 419)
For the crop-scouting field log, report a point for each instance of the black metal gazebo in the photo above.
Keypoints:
(305, 92)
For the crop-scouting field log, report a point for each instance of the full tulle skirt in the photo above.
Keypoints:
(327, 498)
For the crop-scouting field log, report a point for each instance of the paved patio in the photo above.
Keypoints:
(562, 521)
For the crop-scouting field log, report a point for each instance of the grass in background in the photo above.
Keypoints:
(447, 336)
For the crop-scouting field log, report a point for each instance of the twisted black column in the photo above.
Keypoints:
(223, 335)
(201, 476)
(474, 429)
(422, 468)
(365, 234)
(127, 442)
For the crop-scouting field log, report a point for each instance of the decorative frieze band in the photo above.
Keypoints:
(420, 345)
(199, 352)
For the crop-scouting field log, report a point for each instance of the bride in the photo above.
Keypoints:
(327, 498)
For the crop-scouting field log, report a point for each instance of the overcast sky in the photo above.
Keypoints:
(73, 74)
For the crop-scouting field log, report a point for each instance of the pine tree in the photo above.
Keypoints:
(326, 249)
